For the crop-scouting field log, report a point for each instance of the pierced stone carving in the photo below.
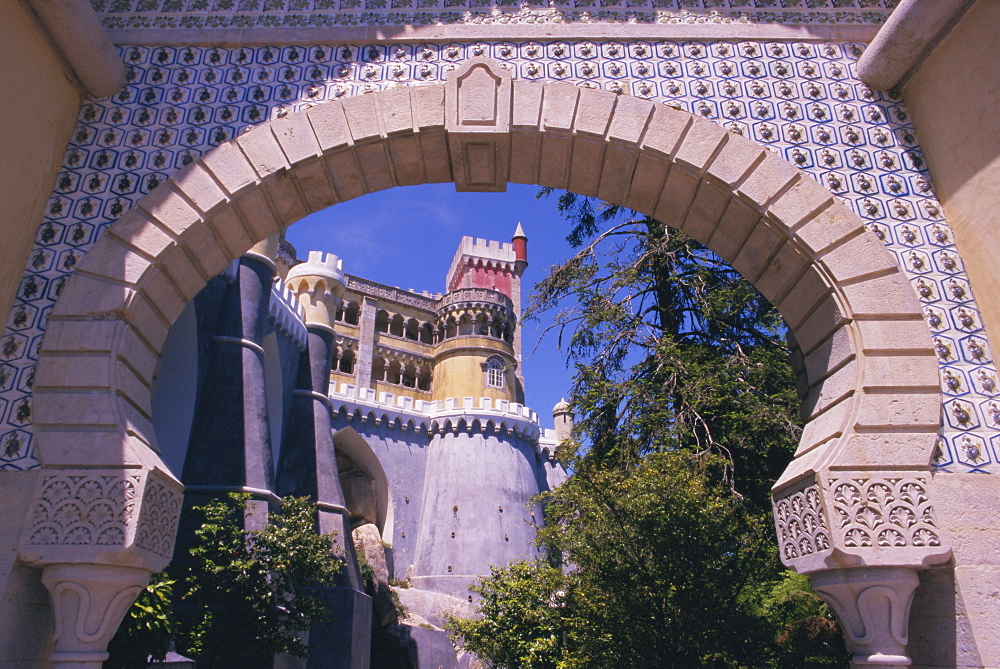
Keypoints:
(875, 518)
(161, 508)
(801, 525)
(83, 510)
(123, 516)
(884, 512)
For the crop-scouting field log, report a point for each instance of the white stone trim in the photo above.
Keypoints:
(437, 415)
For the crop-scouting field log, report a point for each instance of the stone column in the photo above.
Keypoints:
(862, 537)
(366, 343)
(308, 465)
(230, 446)
(97, 534)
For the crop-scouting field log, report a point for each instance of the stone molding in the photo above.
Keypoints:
(82, 43)
(192, 22)
(907, 38)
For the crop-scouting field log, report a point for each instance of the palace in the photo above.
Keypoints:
(838, 153)
(401, 413)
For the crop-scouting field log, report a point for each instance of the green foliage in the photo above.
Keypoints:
(662, 569)
(662, 540)
(367, 571)
(673, 349)
(521, 623)
(808, 635)
(147, 628)
(245, 594)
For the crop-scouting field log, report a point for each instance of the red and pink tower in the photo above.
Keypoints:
(479, 263)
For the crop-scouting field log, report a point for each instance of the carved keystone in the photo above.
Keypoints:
(478, 107)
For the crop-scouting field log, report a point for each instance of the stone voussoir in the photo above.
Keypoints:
(362, 118)
(229, 167)
(138, 231)
(594, 112)
(736, 158)
(769, 178)
(396, 111)
(115, 260)
(802, 200)
(198, 186)
(630, 119)
(296, 138)
(170, 209)
(329, 125)
(262, 151)
(559, 104)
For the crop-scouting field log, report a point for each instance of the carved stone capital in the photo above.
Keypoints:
(847, 519)
(124, 517)
(89, 601)
(873, 606)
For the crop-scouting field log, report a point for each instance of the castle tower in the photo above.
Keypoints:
(308, 461)
(486, 264)
(480, 312)
(480, 472)
(308, 466)
(475, 355)
(479, 479)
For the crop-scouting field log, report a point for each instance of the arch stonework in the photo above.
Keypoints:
(854, 507)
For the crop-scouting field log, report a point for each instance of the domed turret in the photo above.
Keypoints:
(563, 417)
(319, 284)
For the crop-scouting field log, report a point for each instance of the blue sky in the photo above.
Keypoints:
(406, 237)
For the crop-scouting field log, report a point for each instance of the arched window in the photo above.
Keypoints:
(494, 373)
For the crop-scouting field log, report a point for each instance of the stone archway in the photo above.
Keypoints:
(853, 507)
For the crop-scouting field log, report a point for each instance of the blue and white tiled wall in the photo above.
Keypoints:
(800, 99)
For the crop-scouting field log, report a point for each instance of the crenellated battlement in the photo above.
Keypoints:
(287, 313)
(480, 252)
(448, 415)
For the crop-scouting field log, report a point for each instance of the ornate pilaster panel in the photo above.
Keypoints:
(801, 523)
(873, 511)
(112, 516)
